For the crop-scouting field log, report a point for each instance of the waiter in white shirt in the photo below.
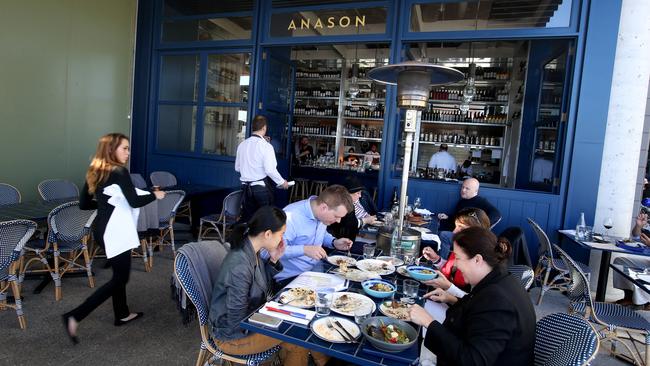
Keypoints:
(443, 160)
(256, 163)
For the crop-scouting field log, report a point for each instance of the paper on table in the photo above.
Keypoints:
(431, 237)
(423, 211)
(361, 239)
(309, 315)
(439, 312)
(319, 280)
(606, 246)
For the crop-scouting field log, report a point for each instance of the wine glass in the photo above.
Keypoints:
(417, 203)
(608, 224)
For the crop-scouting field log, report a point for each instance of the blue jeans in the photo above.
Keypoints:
(445, 243)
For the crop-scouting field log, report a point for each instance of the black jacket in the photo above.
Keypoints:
(242, 286)
(492, 325)
(476, 202)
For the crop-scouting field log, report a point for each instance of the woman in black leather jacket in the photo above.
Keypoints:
(494, 324)
(245, 282)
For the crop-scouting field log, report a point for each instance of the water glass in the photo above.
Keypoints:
(369, 250)
(362, 313)
(410, 289)
(581, 232)
(324, 301)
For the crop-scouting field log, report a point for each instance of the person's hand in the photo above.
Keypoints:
(369, 219)
(440, 295)
(442, 216)
(430, 254)
(278, 252)
(641, 220)
(439, 282)
(285, 185)
(645, 239)
(342, 244)
(420, 316)
(159, 194)
(315, 252)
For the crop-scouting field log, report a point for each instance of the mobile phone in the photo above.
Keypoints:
(265, 320)
(646, 232)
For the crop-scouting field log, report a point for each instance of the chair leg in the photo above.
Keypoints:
(19, 303)
(89, 270)
(543, 288)
(57, 276)
(203, 353)
(171, 236)
(201, 230)
(150, 249)
(143, 248)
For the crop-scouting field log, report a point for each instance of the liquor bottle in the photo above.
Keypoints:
(395, 200)
(580, 227)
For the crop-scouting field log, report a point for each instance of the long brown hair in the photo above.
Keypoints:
(473, 217)
(104, 160)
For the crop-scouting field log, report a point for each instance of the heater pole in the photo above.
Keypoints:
(410, 123)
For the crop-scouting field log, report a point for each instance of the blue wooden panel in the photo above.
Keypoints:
(193, 170)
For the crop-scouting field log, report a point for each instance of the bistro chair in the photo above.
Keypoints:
(616, 323)
(166, 216)
(547, 263)
(9, 194)
(167, 179)
(209, 351)
(524, 273)
(230, 212)
(58, 189)
(300, 190)
(563, 339)
(67, 240)
(317, 186)
(13, 236)
(138, 181)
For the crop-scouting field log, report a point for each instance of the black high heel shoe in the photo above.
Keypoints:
(66, 321)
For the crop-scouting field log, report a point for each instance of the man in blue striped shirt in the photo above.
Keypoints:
(306, 232)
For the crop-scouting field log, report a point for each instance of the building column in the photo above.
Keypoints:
(625, 127)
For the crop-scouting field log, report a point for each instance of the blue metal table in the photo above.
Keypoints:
(625, 272)
(361, 353)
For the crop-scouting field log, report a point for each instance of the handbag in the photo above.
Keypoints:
(452, 273)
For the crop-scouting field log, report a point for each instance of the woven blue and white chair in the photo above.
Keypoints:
(67, 240)
(138, 181)
(524, 273)
(563, 339)
(548, 264)
(615, 323)
(58, 189)
(13, 236)
(230, 212)
(208, 345)
(166, 216)
(167, 179)
(9, 194)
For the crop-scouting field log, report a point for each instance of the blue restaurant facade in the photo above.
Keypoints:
(177, 100)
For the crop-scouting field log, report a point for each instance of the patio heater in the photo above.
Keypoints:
(413, 79)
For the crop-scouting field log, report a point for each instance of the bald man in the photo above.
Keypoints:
(468, 198)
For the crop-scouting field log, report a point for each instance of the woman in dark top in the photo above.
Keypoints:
(245, 282)
(492, 325)
(106, 169)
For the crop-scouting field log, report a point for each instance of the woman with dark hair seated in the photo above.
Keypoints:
(244, 284)
(495, 323)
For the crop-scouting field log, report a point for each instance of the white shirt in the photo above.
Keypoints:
(542, 170)
(121, 232)
(443, 160)
(256, 160)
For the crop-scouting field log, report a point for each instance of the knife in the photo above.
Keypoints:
(344, 330)
(287, 312)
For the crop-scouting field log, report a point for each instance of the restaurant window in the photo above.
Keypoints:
(511, 131)
(489, 14)
(174, 8)
(332, 22)
(203, 114)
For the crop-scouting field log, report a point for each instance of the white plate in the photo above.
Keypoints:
(335, 259)
(376, 266)
(356, 275)
(402, 270)
(385, 309)
(297, 292)
(392, 260)
(357, 301)
(321, 330)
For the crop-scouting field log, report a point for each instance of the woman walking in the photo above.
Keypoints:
(109, 182)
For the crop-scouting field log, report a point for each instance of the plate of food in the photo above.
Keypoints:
(395, 309)
(379, 288)
(345, 303)
(392, 260)
(388, 334)
(402, 270)
(338, 260)
(300, 297)
(354, 274)
(376, 266)
(328, 329)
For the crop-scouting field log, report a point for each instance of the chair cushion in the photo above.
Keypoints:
(253, 359)
(213, 219)
(616, 315)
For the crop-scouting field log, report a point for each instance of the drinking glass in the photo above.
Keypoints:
(608, 223)
(410, 289)
(369, 250)
(417, 203)
(362, 313)
(324, 301)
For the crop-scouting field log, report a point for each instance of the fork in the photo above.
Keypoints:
(331, 326)
(295, 299)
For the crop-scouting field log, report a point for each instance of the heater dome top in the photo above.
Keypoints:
(438, 75)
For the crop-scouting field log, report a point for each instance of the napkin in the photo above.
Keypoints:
(423, 211)
(308, 313)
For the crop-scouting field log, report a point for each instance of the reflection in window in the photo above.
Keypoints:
(329, 22)
(228, 78)
(176, 128)
(213, 29)
(197, 7)
(223, 129)
(489, 14)
(179, 77)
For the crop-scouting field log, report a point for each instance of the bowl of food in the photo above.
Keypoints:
(378, 288)
(421, 273)
(388, 334)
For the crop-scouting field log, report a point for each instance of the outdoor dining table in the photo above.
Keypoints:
(626, 272)
(607, 249)
(36, 210)
(361, 353)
